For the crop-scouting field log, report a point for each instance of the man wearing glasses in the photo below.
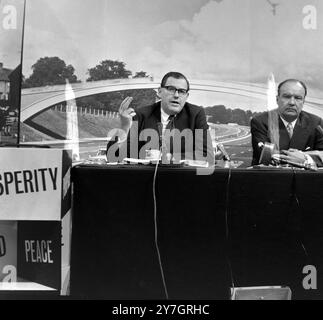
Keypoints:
(297, 130)
(173, 115)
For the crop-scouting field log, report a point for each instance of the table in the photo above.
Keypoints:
(235, 227)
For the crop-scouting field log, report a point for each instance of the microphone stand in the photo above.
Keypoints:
(162, 143)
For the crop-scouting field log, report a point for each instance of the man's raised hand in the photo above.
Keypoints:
(126, 113)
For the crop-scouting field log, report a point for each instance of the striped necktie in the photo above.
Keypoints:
(170, 124)
(289, 128)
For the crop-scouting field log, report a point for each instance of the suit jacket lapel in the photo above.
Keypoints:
(181, 120)
(300, 133)
(152, 120)
(149, 121)
(284, 139)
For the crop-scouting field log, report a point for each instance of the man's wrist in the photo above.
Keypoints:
(118, 135)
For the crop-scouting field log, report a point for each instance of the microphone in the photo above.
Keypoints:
(162, 146)
(160, 132)
(226, 157)
(266, 152)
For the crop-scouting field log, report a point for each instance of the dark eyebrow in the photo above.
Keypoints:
(292, 95)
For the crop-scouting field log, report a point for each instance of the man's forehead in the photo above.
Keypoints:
(292, 86)
(179, 83)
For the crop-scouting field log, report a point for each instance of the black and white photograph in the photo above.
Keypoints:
(10, 69)
(175, 148)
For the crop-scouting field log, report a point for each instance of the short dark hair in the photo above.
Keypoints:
(176, 75)
(292, 80)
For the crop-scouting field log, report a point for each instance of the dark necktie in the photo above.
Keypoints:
(170, 126)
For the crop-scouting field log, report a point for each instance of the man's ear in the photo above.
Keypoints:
(158, 93)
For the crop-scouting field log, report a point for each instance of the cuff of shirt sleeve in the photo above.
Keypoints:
(309, 162)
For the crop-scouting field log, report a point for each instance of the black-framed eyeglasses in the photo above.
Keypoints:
(172, 90)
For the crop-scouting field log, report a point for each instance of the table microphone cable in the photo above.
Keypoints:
(227, 227)
(156, 228)
(294, 195)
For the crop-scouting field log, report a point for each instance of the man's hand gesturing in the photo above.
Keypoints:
(126, 113)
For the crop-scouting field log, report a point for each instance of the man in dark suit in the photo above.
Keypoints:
(297, 130)
(173, 125)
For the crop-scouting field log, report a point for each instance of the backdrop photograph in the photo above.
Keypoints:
(238, 217)
(81, 60)
(11, 29)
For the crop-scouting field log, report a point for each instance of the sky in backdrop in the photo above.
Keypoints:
(223, 40)
(11, 17)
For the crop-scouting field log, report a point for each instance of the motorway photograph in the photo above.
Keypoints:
(226, 48)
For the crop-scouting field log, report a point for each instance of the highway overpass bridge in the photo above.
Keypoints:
(35, 100)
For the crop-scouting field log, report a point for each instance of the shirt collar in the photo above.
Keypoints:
(164, 116)
(286, 122)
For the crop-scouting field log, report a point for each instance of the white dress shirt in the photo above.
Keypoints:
(286, 122)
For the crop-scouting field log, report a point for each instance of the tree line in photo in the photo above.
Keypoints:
(49, 71)
(221, 114)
